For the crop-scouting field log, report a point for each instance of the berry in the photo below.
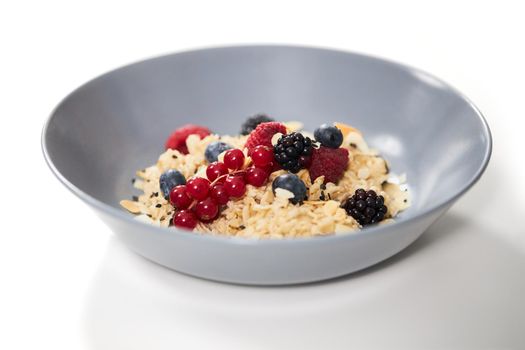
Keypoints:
(177, 140)
(235, 186)
(170, 179)
(206, 209)
(262, 156)
(292, 183)
(185, 219)
(256, 176)
(215, 170)
(293, 151)
(328, 136)
(251, 123)
(214, 149)
(262, 135)
(329, 162)
(218, 194)
(366, 207)
(234, 159)
(198, 188)
(179, 197)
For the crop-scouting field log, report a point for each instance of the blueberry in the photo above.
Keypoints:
(170, 179)
(293, 184)
(329, 136)
(214, 149)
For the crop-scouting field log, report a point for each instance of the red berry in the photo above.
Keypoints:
(234, 159)
(305, 161)
(206, 209)
(219, 195)
(235, 186)
(216, 169)
(256, 176)
(330, 162)
(185, 219)
(177, 140)
(262, 156)
(198, 188)
(179, 197)
(262, 135)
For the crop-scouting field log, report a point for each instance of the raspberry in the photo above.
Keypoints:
(330, 162)
(262, 135)
(177, 140)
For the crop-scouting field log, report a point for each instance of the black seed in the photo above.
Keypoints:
(404, 200)
(329, 197)
(158, 205)
(242, 227)
(174, 156)
(133, 181)
(156, 194)
(321, 197)
(323, 186)
(353, 145)
(135, 198)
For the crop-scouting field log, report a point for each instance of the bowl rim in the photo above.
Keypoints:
(219, 238)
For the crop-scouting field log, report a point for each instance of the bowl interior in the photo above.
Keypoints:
(110, 127)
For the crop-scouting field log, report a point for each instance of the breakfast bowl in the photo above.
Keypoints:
(102, 132)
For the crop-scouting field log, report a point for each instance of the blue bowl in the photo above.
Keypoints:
(102, 132)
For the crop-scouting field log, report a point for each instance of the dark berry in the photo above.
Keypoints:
(293, 151)
(329, 136)
(292, 183)
(170, 179)
(251, 123)
(366, 207)
(214, 149)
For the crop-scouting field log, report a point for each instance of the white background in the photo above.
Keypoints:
(67, 283)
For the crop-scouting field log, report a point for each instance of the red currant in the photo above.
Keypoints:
(219, 195)
(234, 159)
(179, 197)
(206, 209)
(185, 219)
(235, 186)
(216, 169)
(198, 188)
(262, 156)
(256, 176)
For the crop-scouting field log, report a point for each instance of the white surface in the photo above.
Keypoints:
(66, 283)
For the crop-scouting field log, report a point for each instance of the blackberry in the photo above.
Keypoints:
(251, 123)
(366, 207)
(293, 151)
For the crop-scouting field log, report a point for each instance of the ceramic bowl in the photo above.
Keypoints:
(100, 134)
